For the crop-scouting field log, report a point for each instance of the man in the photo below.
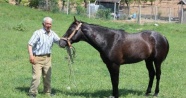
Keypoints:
(39, 49)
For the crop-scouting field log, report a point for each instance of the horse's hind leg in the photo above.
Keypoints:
(158, 74)
(150, 67)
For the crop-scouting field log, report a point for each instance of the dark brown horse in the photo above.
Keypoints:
(118, 47)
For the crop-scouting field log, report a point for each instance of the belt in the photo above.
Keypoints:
(48, 55)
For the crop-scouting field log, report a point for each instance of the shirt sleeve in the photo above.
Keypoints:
(33, 40)
(56, 38)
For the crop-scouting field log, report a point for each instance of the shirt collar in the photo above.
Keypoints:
(44, 31)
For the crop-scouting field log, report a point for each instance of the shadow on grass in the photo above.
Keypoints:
(26, 90)
(23, 89)
(99, 93)
(103, 93)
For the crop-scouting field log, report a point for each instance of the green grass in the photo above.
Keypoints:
(91, 75)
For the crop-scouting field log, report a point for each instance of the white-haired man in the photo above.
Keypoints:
(39, 49)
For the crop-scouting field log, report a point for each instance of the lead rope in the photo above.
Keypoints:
(71, 56)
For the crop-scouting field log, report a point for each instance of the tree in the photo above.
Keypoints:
(18, 2)
(47, 5)
(80, 1)
(63, 4)
(152, 1)
(85, 1)
(127, 2)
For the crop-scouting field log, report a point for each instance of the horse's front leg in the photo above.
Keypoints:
(114, 74)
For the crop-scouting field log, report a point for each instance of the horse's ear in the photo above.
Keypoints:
(75, 19)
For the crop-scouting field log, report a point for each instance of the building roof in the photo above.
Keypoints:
(114, 1)
(182, 2)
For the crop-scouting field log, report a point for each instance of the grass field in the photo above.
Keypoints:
(92, 79)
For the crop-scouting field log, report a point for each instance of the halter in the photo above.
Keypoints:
(68, 38)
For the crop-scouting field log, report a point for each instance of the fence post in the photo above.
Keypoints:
(67, 6)
(169, 14)
(139, 15)
(155, 16)
(89, 9)
(115, 11)
(181, 13)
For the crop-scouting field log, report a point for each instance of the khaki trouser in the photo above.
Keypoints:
(42, 66)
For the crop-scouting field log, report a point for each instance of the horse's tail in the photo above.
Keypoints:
(167, 46)
(162, 45)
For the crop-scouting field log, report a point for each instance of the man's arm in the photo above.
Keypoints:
(31, 56)
(56, 39)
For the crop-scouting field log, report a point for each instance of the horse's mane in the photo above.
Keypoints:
(96, 25)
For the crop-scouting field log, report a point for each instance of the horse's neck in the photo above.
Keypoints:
(98, 37)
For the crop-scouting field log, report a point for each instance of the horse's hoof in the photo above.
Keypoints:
(147, 94)
(111, 97)
(155, 95)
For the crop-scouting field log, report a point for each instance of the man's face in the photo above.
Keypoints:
(47, 25)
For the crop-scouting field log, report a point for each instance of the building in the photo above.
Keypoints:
(109, 4)
(113, 5)
(182, 12)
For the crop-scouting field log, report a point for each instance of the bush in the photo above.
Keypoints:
(54, 7)
(34, 3)
(20, 27)
(24, 2)
(103, 13)
(80, 10)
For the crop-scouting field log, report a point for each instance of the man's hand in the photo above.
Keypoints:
(31, 56)
(32, 59)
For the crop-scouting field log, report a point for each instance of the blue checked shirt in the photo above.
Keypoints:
(42, 42)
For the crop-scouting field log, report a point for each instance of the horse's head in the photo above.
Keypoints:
(73, 34)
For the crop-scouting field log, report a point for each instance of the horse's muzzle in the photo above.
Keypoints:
(62, 43)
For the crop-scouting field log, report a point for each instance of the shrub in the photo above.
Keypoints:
(103, 13)
(80, 10)
(20, 27)
(34, 3)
